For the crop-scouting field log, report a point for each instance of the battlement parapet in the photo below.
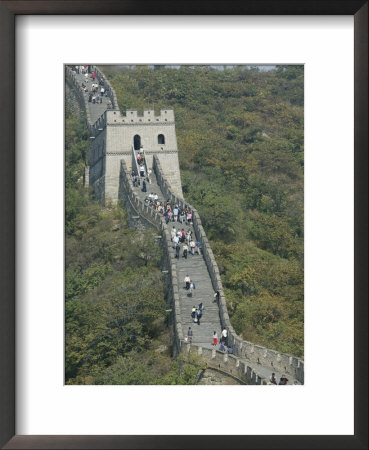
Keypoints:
(225, 363)
(131, 117)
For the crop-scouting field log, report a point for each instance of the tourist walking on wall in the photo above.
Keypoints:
(192, 287)
(144, 186)
(149, 172)
(224, 336)
(178, 249)
(215, 339)
(273, 379)
(189, 236)
(192, 246)
(193, 312)
(173, 232)
(221, 347)
(199, 315)
(189, 218)
(217, 295)
(176, 241)
(185, 251)
(175, 213)
(142, 171)
(187, 280)
(283, 380)
(190, 334)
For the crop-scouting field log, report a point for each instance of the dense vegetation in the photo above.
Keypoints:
(240, 133)
(116, 329)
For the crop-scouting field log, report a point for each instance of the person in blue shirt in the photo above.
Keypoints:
(175, 213)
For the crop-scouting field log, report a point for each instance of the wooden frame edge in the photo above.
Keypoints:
(8, 10)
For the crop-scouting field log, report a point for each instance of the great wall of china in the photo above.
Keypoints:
(115, 140)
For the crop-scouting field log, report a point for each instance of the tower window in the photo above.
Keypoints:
(137, 142)
(161, 139)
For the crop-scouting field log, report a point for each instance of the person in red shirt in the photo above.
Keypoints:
(215, 339)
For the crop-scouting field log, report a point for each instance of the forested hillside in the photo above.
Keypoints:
(240, 133)
(116, 329)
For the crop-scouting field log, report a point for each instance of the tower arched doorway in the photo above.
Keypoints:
(161, 139)
(137, 142)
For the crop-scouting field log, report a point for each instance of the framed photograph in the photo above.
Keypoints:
(218, 105)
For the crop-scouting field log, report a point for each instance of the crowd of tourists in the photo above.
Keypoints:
(98, 89)
(172, 212)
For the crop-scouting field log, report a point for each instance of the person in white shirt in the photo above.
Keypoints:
(175, 241)
(156, 196)
(187, 280)
(173, 233)
(189, 236)
(192, 246)
(224, 335)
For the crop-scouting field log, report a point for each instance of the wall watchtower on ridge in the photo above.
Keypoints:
(116, 134)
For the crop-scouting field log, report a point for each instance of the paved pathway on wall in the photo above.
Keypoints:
(196, 268)
(95, 109)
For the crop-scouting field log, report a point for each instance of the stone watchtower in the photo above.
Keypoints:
(115, 137)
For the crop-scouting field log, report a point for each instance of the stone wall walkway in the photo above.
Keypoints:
(196, 268)
(97, 109)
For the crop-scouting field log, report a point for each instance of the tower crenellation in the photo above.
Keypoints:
(148, 117)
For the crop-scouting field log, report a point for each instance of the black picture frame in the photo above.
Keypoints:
(8, 12)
